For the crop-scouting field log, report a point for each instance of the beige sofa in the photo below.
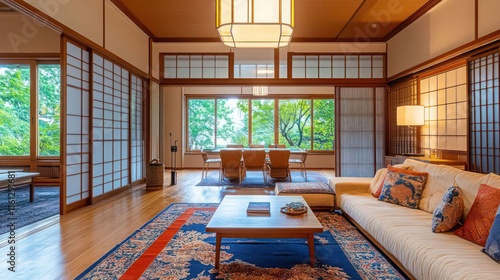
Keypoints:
(405, 234)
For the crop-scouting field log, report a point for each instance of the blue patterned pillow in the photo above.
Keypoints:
(449, 211)
(403, 188)
(493, 243)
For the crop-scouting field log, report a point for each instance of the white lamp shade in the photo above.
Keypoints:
(255, 23)
(411, 115)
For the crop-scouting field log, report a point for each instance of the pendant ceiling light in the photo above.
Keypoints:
(255, 23)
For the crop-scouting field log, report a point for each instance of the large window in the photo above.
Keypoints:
(299, 123)
(49, 94)
(14, 110)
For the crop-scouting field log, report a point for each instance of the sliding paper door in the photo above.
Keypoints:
(360, 127)
(75, 125)
(110, 158)
(137, 129)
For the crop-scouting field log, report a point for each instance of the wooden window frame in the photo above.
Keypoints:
(275, 97)
(34, 156)
(229, 55)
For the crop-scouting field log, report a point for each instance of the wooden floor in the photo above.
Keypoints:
(67, 245)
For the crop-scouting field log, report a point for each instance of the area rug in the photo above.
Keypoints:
(254, 179)
(46, 204)
(174, 245)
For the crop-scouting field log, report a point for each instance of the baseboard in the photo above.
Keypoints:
(380, 247)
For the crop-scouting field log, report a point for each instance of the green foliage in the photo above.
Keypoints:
(295, 123)
(263, 122)
(232, 122)
(324, 124)
(14, 110)
(49, 117)
(201, 117)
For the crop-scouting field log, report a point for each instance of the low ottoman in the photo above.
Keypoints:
(318, 195)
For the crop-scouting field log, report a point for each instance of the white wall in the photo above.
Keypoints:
(22, 34)
(449, 25)
(121, 37)
(125, 39)
(174, 114)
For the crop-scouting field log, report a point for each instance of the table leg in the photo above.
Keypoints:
(311, 249)
(32, 191)
(218, 242)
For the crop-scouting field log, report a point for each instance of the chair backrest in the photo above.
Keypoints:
(230, 158)
(257, 146)
(235, 146)
(204, 156)
(279, 158)
(277, 146)
(303, 156)
(254, 158)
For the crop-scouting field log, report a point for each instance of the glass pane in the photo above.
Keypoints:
(324, 124)
(49, 94)
(201, 123)
(262, 122)
(14, 110)
(232, 122)
(295, 123)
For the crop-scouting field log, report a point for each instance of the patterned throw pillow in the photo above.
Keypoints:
(400, 168)
(493, 243)
(449, 211)
(404, 189)
(477, 226)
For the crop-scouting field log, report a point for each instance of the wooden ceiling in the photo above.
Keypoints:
(315, 20)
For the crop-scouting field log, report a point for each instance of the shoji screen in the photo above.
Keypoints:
(445, 99)
(402, 139)
(484, 138)
(137, 129)
(360, 118)
(110, 126)
(76, 121)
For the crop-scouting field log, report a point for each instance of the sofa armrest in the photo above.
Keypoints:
(342, 185)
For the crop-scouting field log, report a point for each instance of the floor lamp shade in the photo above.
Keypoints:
(255, 23)
(412, 115)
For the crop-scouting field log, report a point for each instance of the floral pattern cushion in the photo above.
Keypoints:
(449, 211)
(493, 242)
(478, 223)
(400, 168)
(404, 189)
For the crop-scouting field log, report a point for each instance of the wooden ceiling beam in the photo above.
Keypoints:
(356, 18)
(119, 4)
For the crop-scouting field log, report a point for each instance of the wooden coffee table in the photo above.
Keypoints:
(232, 221)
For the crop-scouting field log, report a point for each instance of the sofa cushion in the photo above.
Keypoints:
(416, 165)
(403, 187)
(441, 177)
(405, 233)
(379, 178)
(449, 211)
(469, 183)
(481, 216)
(492, 247)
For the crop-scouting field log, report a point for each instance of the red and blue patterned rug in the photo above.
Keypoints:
(174, 245)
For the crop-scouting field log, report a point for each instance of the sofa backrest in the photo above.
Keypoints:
(469, 183)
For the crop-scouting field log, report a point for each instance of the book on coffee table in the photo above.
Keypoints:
(259, 207)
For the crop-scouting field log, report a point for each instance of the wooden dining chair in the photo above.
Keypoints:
(230, 164)
(302, 163)
(278, 165)
(254, 160)
(235, 146)
(257, 146)
(206, 164)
